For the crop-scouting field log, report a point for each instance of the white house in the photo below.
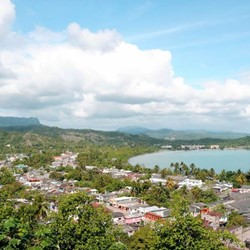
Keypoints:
(157, 180)
(189, 183)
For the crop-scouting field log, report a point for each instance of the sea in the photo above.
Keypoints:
(228, 159)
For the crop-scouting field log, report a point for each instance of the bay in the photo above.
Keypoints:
(206, 159)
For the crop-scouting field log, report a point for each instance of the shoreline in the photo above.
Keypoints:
(218, 159)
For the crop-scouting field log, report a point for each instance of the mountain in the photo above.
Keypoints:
(133, 130)
(40, 137)
(170, 134)
(18, 121)
(27, 139)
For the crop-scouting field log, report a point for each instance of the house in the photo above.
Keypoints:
(90, 167)
(147, 209)
(158, 214)
(105, 198)
(118, 217)
(213, 219)
(2, 164)
(92, 191)
(176, 178)
(189, 183)
(196, 208)
(128, 204)
(133, 219)
(157, 179)
(222, 186)
(122, 201)
(242, 207)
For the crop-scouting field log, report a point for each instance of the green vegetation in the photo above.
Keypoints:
(182, 233)
(32, 139)
(182, 134)
(79, 224)
(107, 156)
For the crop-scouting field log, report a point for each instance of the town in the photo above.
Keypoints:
(135, 198)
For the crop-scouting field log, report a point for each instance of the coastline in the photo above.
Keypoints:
(219, 159)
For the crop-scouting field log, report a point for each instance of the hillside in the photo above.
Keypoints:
(41, 137)
(33, 138)
(170, 134)
(18, 121)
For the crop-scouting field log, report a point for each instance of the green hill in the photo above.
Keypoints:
(18, 121)
(30, 138)
(40, 137)
(170, 134)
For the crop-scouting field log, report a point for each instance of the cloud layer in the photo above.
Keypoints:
(78, 78)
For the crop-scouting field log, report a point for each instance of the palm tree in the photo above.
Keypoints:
(192, 168)
(156, 169)
(241, 179)
(170, 184)
(196, 192)
(42, 210)
(176, 168)
(185, 169)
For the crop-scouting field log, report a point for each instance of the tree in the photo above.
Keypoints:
(193, 169)
(56, 176)
(6, 177)
(170, 184)
(177, 168)
(185, 232)
(118, 246)
(156, 169)
(208, 196)
(164, 172)
(143, 239)
(241, 179)
(78, 225)
(185, 169)
(196, 193)
(18, 227)
(235, 219)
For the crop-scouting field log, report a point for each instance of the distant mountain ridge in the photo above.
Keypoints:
(40, 137)
(8, 121)
(170, 134)
(133, 130)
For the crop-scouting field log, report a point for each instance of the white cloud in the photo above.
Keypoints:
(81, 78)
(103, 40)
(7, 16)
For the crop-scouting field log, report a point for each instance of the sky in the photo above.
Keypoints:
(108, 64)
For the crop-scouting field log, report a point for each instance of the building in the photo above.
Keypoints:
(189, 183)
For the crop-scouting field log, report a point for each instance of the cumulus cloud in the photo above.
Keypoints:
(7, 16)
(103, 40)
(81, 78)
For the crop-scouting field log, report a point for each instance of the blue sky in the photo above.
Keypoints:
(198, 67)
(207, 39)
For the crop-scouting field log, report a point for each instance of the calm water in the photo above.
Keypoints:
(216, 159)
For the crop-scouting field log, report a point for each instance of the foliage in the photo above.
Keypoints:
(235, 219)
(19, 224)
(183, 231)
(187, 232)
(6, 176)
(143, 239)
(78, 225)
(33, 139)
(56, 176)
